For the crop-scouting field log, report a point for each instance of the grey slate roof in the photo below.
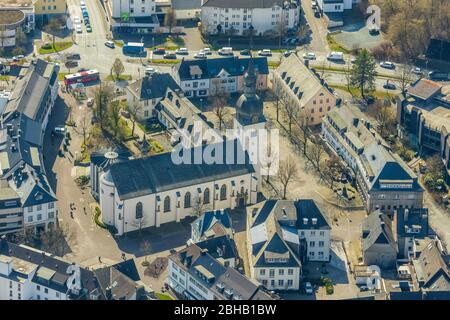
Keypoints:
(154, 86)
(192, 256)
(220, 247)
(433, 268)
(210, 68)
(203, 223)
(244, 4)
(159, 173)
(377, 229)
(186, 4)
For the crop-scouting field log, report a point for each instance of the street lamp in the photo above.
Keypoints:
(229, 41)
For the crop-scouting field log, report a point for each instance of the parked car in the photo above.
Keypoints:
(159, 51)
(225, 51)
(110, 44)
(88, 28)
(316, 13)
(387, 65)
(308, 288)
(417, 71)
(78, 28)
(313, 4)
(353, 59)
(86, 21)
(170, 55)
(207, 51)
(265, 53)
(200, 55)
(76, 20)
(288, 53)
(183, 51)
(336, 56)
(245, 52)
(309, 56)
(73, 56)
(150, 70)
(363, 288)
(59, 130)
(389, 86)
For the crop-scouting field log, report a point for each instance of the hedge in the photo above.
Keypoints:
(97, 220)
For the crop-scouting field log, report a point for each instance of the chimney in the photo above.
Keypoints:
(108, 293)
(406, 216)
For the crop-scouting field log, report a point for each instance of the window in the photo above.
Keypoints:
(290, 283)
(57, 294)
(272, 283)
(206, 196)
(290, 272)
(321, 243)
(312, 110)
(51, 205)
(51, 215)
(46, 290)
(281, 272)
(143, 10)
(30, 209)
(139, 214)
(312, 244)
(264, 283)
(38, 297)
(313, 233)
(322, 233)
(272, 273)
(30, 219)
(38, 288)
(223, 192)
(166, 204)
(39, 207)
(187, 200)
(39, 217)
(262, 272)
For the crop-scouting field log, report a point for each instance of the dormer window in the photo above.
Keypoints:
(305, 221)
(314, 220)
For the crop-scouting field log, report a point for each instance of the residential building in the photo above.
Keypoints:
(211, 224)
(333, 10)
(423, 113)
(187, 9)
(378, 241)
(134, 16)
(209, 77)
(222, 248)
(28, 199)
(383, 179)
(147, 92)
(48, 9)
(234, 17)
(30, 274)
(15, 15)
(432, 268)
(295, 83)
(154, 190)
(196, 275)
(411, 224)
(281, 235)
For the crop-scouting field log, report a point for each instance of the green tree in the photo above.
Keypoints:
(363, 73)
(103, 96)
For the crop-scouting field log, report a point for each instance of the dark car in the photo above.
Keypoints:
(245, 52)
(74, 56)
(159, 51)
(389, 86)
(170, 56)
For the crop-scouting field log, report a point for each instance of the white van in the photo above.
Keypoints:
(338, 56)
(226, 51)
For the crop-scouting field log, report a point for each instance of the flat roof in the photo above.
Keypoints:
(10, 16)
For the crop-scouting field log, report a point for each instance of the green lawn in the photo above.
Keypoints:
(162, 296)
(118, 43)
(59, 46)
(165, 61)
(273, 64)
(355, 92)
(61, 75)
(122, 77)
(4, 78)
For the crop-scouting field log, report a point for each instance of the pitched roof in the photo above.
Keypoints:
(432, 268)
(424, 89)
(210, 218)
(412, 222)
(154, 86)
(220, 247)
(211, 68)
(377, 229)
(159, 173)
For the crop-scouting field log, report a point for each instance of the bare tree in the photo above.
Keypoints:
(84, 126)
(21, 37)
(56, 240)
(301, 129)
(287, 172)
(384, 116)
(199, 207)
(405, 77)
(103, 96)
(135, 110)
(52, 28)
(316, 154)
(219, 103)
(117, 68)
(114, 114)
(333, 169)
(139, 224)
(270, 156)
(290, 110)
(277, 92)
(281, 28)
(146, 248)
(170, 19)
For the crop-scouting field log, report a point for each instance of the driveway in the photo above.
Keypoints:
(319, 30)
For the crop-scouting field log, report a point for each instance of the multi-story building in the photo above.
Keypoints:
(295, 83)
(30, 274)
(28, 199)
(48, 9)
(234, 17)
(148, 92)
(195, 274)
(385, 182)
(281, 235)
(333, 10)
(134, 16)
(423, 112)
(15, 15)
(209, 77)
(411, 225)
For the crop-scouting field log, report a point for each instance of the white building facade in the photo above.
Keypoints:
(235, 17)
